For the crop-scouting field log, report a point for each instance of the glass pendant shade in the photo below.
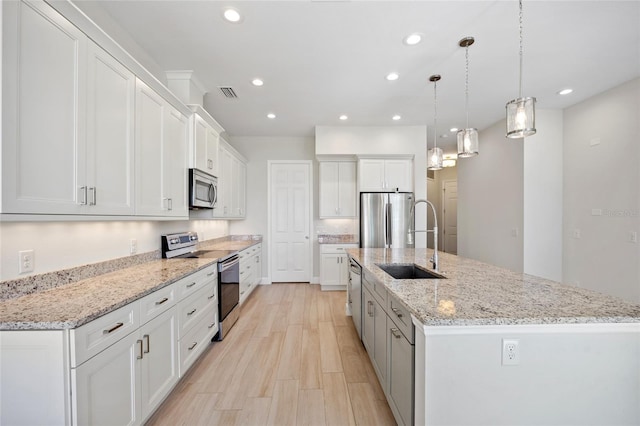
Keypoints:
(521, 117)
(434, 159)
(468, 142)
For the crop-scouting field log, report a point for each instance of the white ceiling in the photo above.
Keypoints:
(321, 59)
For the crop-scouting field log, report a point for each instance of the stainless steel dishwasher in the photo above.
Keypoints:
(355, 294)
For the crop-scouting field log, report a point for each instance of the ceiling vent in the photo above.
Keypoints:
(228, 92)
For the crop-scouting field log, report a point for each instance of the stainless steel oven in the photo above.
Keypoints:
(228, 293)
(203, 190)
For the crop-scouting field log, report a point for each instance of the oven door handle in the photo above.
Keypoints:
(229, 264)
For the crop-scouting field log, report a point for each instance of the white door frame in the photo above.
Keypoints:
(442, 208)
(270, 163)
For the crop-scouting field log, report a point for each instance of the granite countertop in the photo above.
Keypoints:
(337, 239)
(68, 306)
(477, 293)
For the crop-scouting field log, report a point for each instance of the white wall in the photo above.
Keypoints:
(61, 245)
(258, 150)
(606, 177)
(382, 140)
(542, 229)
(434, 191)
(490, 201)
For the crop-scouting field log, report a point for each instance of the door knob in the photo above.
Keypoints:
(306, 237)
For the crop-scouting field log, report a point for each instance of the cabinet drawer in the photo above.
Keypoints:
(336, 248)
(401, 318)
(190, 284)
(156, 303)
(196, 340)
(92, 338)
(377, 289)
(195, 307)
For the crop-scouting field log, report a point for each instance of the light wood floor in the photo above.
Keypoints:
(293, 358)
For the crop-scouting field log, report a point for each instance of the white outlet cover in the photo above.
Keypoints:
(510, 351)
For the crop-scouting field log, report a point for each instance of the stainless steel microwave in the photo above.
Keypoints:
(203, 190)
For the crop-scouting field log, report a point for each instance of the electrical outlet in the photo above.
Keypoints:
(515, 232)
(577, 234)
(633, 237)
(27, 261)
(510, 352)
(133, 246)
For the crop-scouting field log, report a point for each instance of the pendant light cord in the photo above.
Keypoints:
(521, 52)
(466, 83)
(435, 114)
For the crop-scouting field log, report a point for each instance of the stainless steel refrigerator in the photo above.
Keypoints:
(386, 219)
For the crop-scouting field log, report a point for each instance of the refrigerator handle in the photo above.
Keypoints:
(388, 224)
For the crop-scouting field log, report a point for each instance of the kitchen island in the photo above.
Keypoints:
(578, 351)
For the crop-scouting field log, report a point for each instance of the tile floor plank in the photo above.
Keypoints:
(311, 408)
(284, 403)
(329, 351)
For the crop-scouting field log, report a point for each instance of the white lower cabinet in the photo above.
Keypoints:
(334, 266)
(250, 270)
(388, 337)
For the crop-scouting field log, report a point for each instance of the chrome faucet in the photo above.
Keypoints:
(412, 212)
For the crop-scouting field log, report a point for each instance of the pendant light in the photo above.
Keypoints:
(434, 155)
(521, 112)
(467, 137)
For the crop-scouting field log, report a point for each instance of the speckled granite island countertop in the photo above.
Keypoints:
(68, 306)
(477, 293)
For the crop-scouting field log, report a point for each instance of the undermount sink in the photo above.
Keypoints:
(408, 271)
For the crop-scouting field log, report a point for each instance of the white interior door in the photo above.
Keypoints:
(289, 198)
(450, 215)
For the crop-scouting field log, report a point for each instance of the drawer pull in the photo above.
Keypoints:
(192, 312)
(212, 296)
(160, 302)
(114, 328)
(139, 342)
(397, 312)
(191, 285)
(395, 333)
(210, 274)
(211, 325)
(148, 339)
(339, 248)
(193, 345)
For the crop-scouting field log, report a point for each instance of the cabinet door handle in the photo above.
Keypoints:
(160, 302)
(193, 345)
(212, 296)
(92, 191)
(114, 328)
(148, 339)
(192, 312)
(395, 333)
(397, 312)
(211, 325)
(210, 274)
(140, 354)
(170, 203)
(83, 194)
(191, 285)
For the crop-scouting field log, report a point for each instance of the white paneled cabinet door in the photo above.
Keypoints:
(43, 113)
(148, 130)
(347, 189)
(105, 386)
(399, 175)
(329, 189)
(241, 188)
(110, 134)
(159, 363)
(174, 163)
(372, 175)
(201, 130)
(212, 152)
(226, 181)
(289, 203)
(330, 272)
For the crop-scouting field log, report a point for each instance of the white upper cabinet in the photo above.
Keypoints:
(205, 134)
(161, 156)
(43, 111)
(386, 175)
(232, 182)
(110, 135)
(337, 189)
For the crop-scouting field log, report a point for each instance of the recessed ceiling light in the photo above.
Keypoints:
(257, 82)
(343, 117)
(453, 129)
(393, 76)
(412, 39)
(232, 15)
(396, 117)
(271, 115)
(565, 91)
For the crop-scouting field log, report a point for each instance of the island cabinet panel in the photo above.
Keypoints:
(374, 335)
(401, 360)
